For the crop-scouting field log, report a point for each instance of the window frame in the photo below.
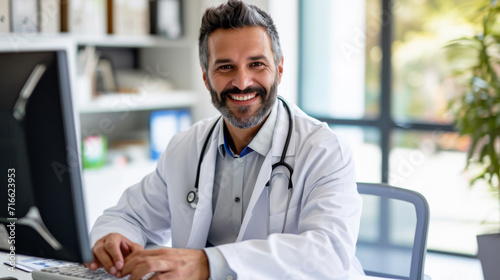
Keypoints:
(385, 124)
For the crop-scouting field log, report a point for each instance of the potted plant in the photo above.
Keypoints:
(477, 113)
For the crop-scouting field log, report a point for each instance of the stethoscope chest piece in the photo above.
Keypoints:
(192, 199)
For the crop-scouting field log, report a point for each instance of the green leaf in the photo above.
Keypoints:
(476, 64)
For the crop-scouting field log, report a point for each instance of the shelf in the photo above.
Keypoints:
(138, 169)
(117, 102)
(121, 41)
(135, 41)
(32, 42)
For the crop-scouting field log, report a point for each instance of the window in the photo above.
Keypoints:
(375, 70)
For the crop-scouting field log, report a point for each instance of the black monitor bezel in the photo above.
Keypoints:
(80, 248)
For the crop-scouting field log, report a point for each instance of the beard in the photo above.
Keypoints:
(242, 118)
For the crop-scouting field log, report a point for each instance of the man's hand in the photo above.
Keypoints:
(168, 263)
(111, 251)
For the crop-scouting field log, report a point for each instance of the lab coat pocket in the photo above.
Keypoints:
(276, 220)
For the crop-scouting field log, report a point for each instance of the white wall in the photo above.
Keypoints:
(286, 17)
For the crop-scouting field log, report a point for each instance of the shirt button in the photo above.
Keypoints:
(229, 277)
(240, 160)
(236, 199)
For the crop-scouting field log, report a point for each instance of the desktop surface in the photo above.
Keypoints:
(21, 275)
(6, 271)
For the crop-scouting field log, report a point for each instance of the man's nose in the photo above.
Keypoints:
(243, 79)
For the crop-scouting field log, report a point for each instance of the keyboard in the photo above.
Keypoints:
(72, 272)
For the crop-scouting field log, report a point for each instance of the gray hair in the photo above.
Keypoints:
(235, 14)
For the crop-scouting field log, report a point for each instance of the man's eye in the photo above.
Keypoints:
(256, 64)
(225, 67)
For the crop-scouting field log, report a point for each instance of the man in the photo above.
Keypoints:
(243, 218)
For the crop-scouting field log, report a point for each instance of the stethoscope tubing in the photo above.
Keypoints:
(192, 197)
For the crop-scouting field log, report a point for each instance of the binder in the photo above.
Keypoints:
(4, 16)
(128, 17)
(109, 6)
(50, 16)
(163, 126)
(169, 18)
(153, 17)
(24, 16)
(87, 17)
(64, 16)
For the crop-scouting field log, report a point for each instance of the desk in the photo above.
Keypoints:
(22, 275)
(371, 278)
(6, 270)
(19, 274)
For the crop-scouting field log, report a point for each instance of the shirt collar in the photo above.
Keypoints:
(262, 141)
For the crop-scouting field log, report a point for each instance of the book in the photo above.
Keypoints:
(169, 19)
(24, 16)
(50, 16)
(153, 17)
(87, 17)
(128, 17)
(4, 16)
(64, 15)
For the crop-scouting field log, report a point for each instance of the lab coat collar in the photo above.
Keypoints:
(262, 141)
(203, 214)
(281, 131)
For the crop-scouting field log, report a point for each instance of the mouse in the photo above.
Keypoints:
(8, 278)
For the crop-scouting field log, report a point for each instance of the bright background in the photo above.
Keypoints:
(396, 110)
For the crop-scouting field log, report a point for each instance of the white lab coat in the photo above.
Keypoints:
(323, 218)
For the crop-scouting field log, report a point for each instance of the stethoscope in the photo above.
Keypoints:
(192, 196)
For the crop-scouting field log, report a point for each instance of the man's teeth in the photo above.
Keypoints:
(242, 97)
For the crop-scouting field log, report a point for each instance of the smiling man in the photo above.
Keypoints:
(265, 192)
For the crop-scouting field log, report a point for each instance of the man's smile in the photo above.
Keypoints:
(242, 97)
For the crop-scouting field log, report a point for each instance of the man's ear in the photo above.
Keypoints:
(280, 70)
(205, 78)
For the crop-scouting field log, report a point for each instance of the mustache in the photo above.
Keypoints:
(251, 89)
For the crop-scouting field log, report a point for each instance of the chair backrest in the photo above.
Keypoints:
(392, 240)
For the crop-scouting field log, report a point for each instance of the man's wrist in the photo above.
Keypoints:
(204, 265)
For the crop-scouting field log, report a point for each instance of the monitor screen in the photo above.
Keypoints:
(41, 202)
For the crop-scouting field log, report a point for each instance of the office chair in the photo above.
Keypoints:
(392, 240)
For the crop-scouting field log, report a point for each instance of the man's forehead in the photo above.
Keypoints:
(238, 29)
(253, 39)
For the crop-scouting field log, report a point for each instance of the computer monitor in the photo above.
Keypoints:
(41, 201)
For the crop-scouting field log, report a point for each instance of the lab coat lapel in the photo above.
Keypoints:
(257, 207)
(281, 131)
(203, 214)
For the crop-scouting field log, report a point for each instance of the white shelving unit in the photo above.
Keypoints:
(171, 57)
(120, 41)
(132, 41)
(177, 58)
(116, 102)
